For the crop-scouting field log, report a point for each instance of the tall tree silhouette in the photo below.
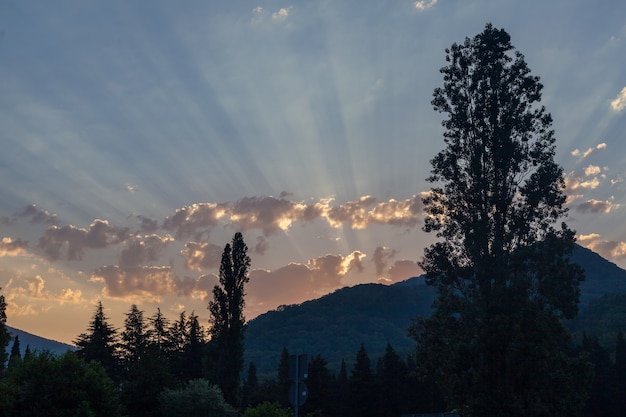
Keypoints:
(227, 319)
(502, 267)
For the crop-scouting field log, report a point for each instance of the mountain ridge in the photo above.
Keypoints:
(335, 325)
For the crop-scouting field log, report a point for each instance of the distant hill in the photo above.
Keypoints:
(37, 343)
(335, 325)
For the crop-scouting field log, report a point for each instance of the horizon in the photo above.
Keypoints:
(138, 138)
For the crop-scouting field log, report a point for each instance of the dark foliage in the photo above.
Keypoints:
(502, 269)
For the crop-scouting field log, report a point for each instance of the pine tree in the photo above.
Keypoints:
(362, 393)
(134, 336)
(16, 354)
(227, 319)
(391, 382)
(5, 336)
(158, 333)
(99, 343)
(342, 391)
(250, 387)
(495, 340)
(320, 384)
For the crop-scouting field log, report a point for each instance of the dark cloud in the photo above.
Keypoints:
(147, 224)
(262, 245)
(99, 235)
(143, 249)
(380, 258)
(37, 215)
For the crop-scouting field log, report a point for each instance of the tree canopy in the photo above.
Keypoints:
(502, 266)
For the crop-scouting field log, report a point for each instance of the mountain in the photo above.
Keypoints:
(334, 326)
(37, 343)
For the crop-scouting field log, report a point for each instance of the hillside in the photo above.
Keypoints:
(335, 325)
(37, 343)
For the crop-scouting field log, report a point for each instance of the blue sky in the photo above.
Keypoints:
(138, 137)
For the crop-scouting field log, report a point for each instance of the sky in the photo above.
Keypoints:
(136, 138)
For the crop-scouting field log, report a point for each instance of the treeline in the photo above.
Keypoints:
(156, 367)
(607, 395)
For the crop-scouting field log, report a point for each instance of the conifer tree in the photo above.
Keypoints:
(227, 319)
(158, 333)
(342, 400)
(99, 343)
(15, 356)
(134, 336)
(362, 393)
(250, 387)
(5, 336)
(391, 382)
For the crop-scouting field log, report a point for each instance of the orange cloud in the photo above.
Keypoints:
(199, 256)
(611, 250)
(152, 282)
(11, 247)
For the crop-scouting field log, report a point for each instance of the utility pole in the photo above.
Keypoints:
(298, 372)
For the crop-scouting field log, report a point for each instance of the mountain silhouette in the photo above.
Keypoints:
(335, 325)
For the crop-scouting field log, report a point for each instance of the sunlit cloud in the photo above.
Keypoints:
(12, 247)
(620, 101)
(589, 151)
(329, 269)
(591, 170)
(201, 255)
(195, 220)
(596, 206)
(282, 14)
(574, 183)
(297, 282)
(424, 5)
(151, 282)
(33, 287)
(612, 250)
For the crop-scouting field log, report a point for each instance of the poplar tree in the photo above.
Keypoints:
(227, 319)
(495, 342)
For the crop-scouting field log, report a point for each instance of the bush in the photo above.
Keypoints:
(196, 398)
(267, 409)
